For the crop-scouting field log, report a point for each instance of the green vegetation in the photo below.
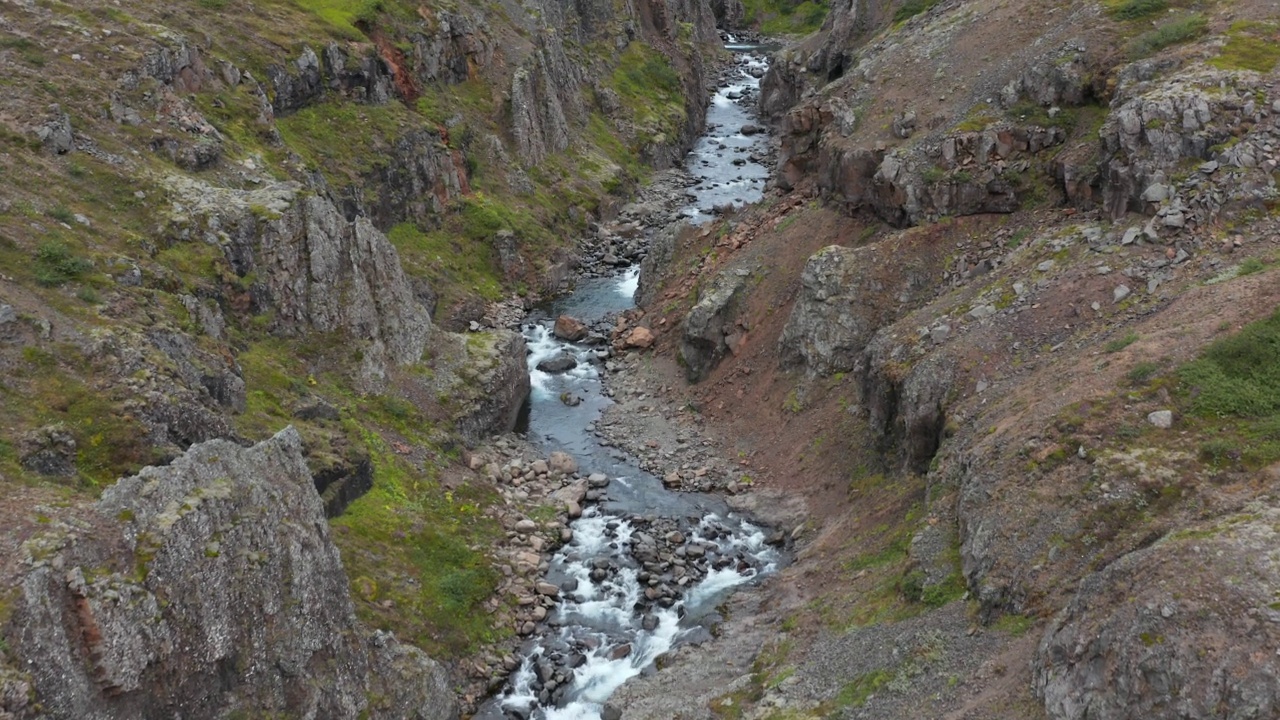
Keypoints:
(56, 386)
(419, 549)
(650, 89)
(857, 691)
(1250, 266)
(1135, 9)
(344, 15)
(911, 8)
(1238, 376)
(345, 139)
(1250, 46)
(1014, 624)
(57, 264)
(785, 17)
(1142, 372)
(1121, 343)
(1180, 30)
(1234, 388)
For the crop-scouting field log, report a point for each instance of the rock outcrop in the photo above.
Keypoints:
(204, 588)
(1184, 628)
(1217, 121)
(709, 328)
(489, 381)
(315, 270)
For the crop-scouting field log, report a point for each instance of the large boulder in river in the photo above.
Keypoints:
(569, 328)
(563, 362)
(205, 588)
(710, 322)
(1186, 628)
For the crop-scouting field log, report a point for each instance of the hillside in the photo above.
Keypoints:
(995, 358)
(1006, 330)
(222, 218)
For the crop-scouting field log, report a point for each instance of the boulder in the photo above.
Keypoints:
(563, 362)
(569, 328)
(639, 338)
(709, 322)
(49, 450)
(562, 463)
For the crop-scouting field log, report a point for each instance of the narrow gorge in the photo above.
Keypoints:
(639, 360)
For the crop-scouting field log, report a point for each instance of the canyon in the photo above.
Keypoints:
(615, 360)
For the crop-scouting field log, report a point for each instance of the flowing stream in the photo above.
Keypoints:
(646, 567)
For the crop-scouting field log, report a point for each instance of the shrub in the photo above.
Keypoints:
(1238, 375)
(55, 264)
(1142, 372)
(1183, 29)
(912, 8)
(1250, 266)
(1121, 343)
(1135, 9)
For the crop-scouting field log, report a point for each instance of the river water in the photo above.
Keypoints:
(646, 567)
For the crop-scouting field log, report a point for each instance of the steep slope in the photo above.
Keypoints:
(1005, 324)
(221, 218)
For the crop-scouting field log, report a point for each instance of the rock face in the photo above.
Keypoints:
(711, 321)
(206, 587)
(498, 384)
(1185, 628)
(653, 267)
(317, 271)
(835, 314)
(1157, 129)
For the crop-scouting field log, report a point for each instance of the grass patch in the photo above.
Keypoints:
(1142, 372)
(55, 264)
(1250, 46)
(1136, 9)
(417, 545)
(650, 90)
(912, 8)
(345, 139)
(784, 17)
(454, 264)
(1015, 625)
(1234, 391)
(56, 386)
(1121, 343)
(1250, 266)
(1239, 375)
(857, 691)
(342, 15)
(1174, 32)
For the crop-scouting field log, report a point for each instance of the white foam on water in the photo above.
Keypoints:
(629, 282)
(604, 612)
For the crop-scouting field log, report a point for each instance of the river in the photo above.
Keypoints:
(646, 567)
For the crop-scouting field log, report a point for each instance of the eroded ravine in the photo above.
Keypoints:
(646, 567)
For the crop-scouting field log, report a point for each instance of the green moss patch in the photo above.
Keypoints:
(785, 17)
(345, 139)
(1250, 46)
(651, 91)
(414, 553)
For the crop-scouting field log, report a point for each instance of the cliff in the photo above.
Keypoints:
(206, 588)
(992, 324)
(223, 218)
